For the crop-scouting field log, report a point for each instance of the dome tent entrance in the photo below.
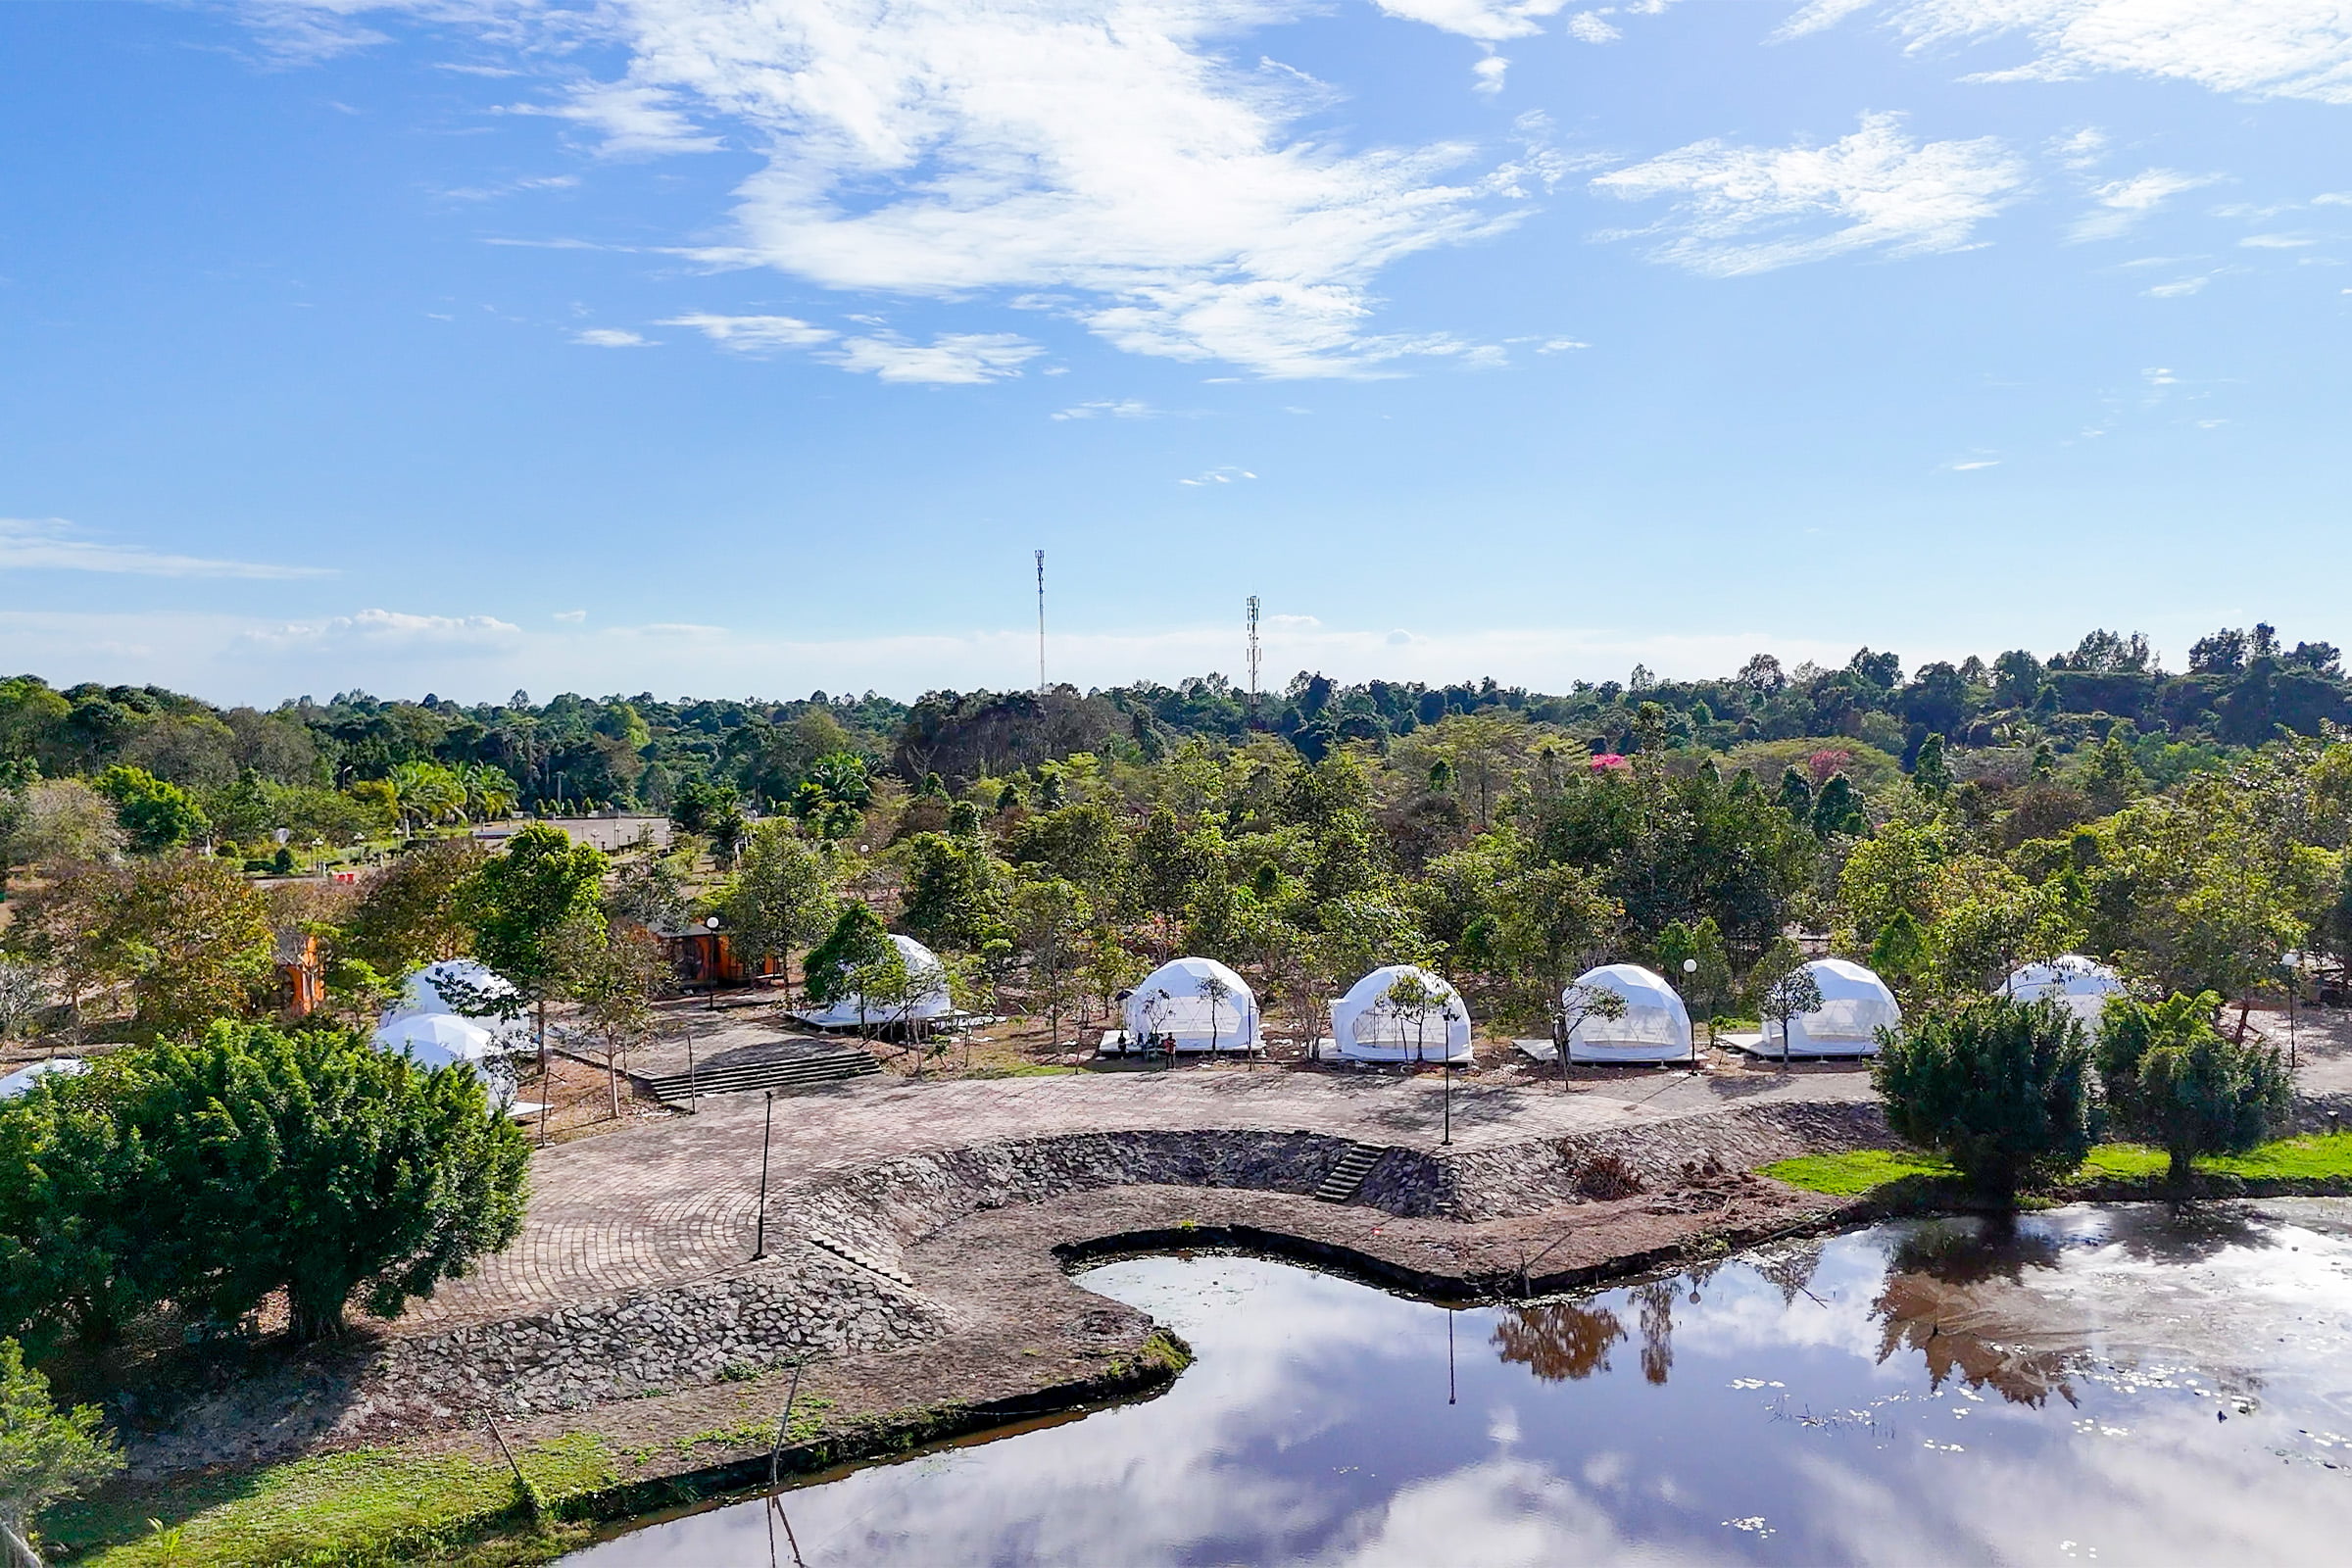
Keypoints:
(2083, 986)
(927, 996)
(1855, 1004)
(1655, 1025)
(1197, 1003)
(1367, 1026)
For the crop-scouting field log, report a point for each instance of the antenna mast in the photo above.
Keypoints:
(1256, 654)
(1041, 624)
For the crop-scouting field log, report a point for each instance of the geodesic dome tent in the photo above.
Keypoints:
(2084, 985)
(445, 1040)
(24, 1078)
(1198, 1002)
(1855, 1004)
(1367, 1026)
(928, 996)
(1656, 1026)
(445, 988)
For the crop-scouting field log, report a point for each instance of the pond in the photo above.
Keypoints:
(2120, 1384)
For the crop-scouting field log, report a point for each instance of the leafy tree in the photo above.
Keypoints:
(1785, 990)
(1999, 1087)
(73, 1258)
(856, 942)
(1932, 771)
(1899, 952)
(534, 906)
(954, 891)
(1578, 1004)
(24, 995)
(615, 980)
(413, 911)
(782, 896)
(1552, 918)
(699, 802)
(195, 939)
(1050, 918)
(311, 1162)
(427, 793)
(833, 798)
(46, 1454)
(1419, 1003)
(2172, 1080)
(1839, 809)
(156, 816)
(1797, 795)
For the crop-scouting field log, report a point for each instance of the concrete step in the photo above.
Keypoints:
(779, 1073)
(1346, 1177)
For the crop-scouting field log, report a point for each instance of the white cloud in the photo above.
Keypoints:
(1970, 464)
(1561, 345)
(1741, 210)
(52, 544)
(2080, 149)
(1487, 74)
(573, 615)
(2274, 242)
(1483, 19)
(1820, 13)
(1223, 475)
(612, 337)
(2334, 198)
(2122, 203)
(1586, 26)
(2178, 288)
(390, 630)
(754, 335)
(1109, 409)
(952, 357)
(2268, 48)
(1123, 153)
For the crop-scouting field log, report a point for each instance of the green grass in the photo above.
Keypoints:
(2319, 1157)
(372, 1505)
(1854, 1172)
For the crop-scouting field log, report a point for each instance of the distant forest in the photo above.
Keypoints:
(2239, 689)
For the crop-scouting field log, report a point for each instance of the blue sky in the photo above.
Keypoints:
(750, 345)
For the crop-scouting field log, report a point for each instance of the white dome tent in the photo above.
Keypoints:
(2084, 985)
(1197, 1003)
(1655, 1025)
(1855, 1004)
(450, 985)
(443, 1040)
(927, 1000)
(24, 1078)
(1366, 1026)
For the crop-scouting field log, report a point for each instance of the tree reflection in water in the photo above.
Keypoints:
(1559, 1342)
(1939, 1299)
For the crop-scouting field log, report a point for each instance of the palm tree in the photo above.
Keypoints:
(490, 791)
(426, 792)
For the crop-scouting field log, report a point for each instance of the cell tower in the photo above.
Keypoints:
(1255, 655)
(1041, 624)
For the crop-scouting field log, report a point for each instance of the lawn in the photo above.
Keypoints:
(2326, 1156)
(366, 1506)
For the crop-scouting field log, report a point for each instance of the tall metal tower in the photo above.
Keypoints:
(1255, 655)
(1041, 624)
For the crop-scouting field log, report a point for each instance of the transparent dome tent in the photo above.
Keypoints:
(927, 997)
(1655, 1025)
(1367, 1025)
(2083, 985)
(1855, 1004)
(1197, 1003)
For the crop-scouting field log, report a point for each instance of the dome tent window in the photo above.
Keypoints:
(1379, 1019)
(1855, 1004)
(1655, 1025)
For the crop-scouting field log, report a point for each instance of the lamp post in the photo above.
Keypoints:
(1690, 968)
(710, 924)
(759, 1237)
(1447, 1017)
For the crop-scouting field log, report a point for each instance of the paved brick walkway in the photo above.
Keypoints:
(677, 1199)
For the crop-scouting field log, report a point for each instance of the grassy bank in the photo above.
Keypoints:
(2316, 1158)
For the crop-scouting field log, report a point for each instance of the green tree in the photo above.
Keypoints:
(856, 942)
(413, 911)
(615, 980)
(46, 1454)
(1051, 917)
(1838, 809)
(833, 798)
(1553, 917)
(1785, 989)
(1899, 952)
(195, 939)
(954, 891)
(2172, 1080)
(781, 897)
(157, 816)
(73, 1260)
(2000, 1088)
(427, 793)
(312, 1163)
(1932, 770)
(532, 907)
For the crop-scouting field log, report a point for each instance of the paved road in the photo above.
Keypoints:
(677, 1199)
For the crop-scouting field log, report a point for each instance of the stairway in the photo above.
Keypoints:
(779, 1073)
(1346, 1178)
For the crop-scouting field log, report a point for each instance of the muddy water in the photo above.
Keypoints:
(2098, 1384)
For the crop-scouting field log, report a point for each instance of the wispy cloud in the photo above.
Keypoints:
(1120, 408)
(950, 359)
(391, 630)
(612, 337)
(1142, 163)
(2275, 242)
(52, 544)
(1741, 210)
(1223, 475)
(754, 335)
(2265, 48)
(2122, 203)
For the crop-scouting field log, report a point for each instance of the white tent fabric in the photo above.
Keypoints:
(1655, 1027)
(444, 1039)
(446, 987)
(931, 999)
(24, 1078)
(1170, 1000)
(2083, 985)
(1855, 1004)
(1366, 1026)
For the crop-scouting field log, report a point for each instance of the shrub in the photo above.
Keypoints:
(2172, 1080)
(2000, 1088)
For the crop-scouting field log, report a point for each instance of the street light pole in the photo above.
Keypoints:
(768, 1126)
(1690, 968)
